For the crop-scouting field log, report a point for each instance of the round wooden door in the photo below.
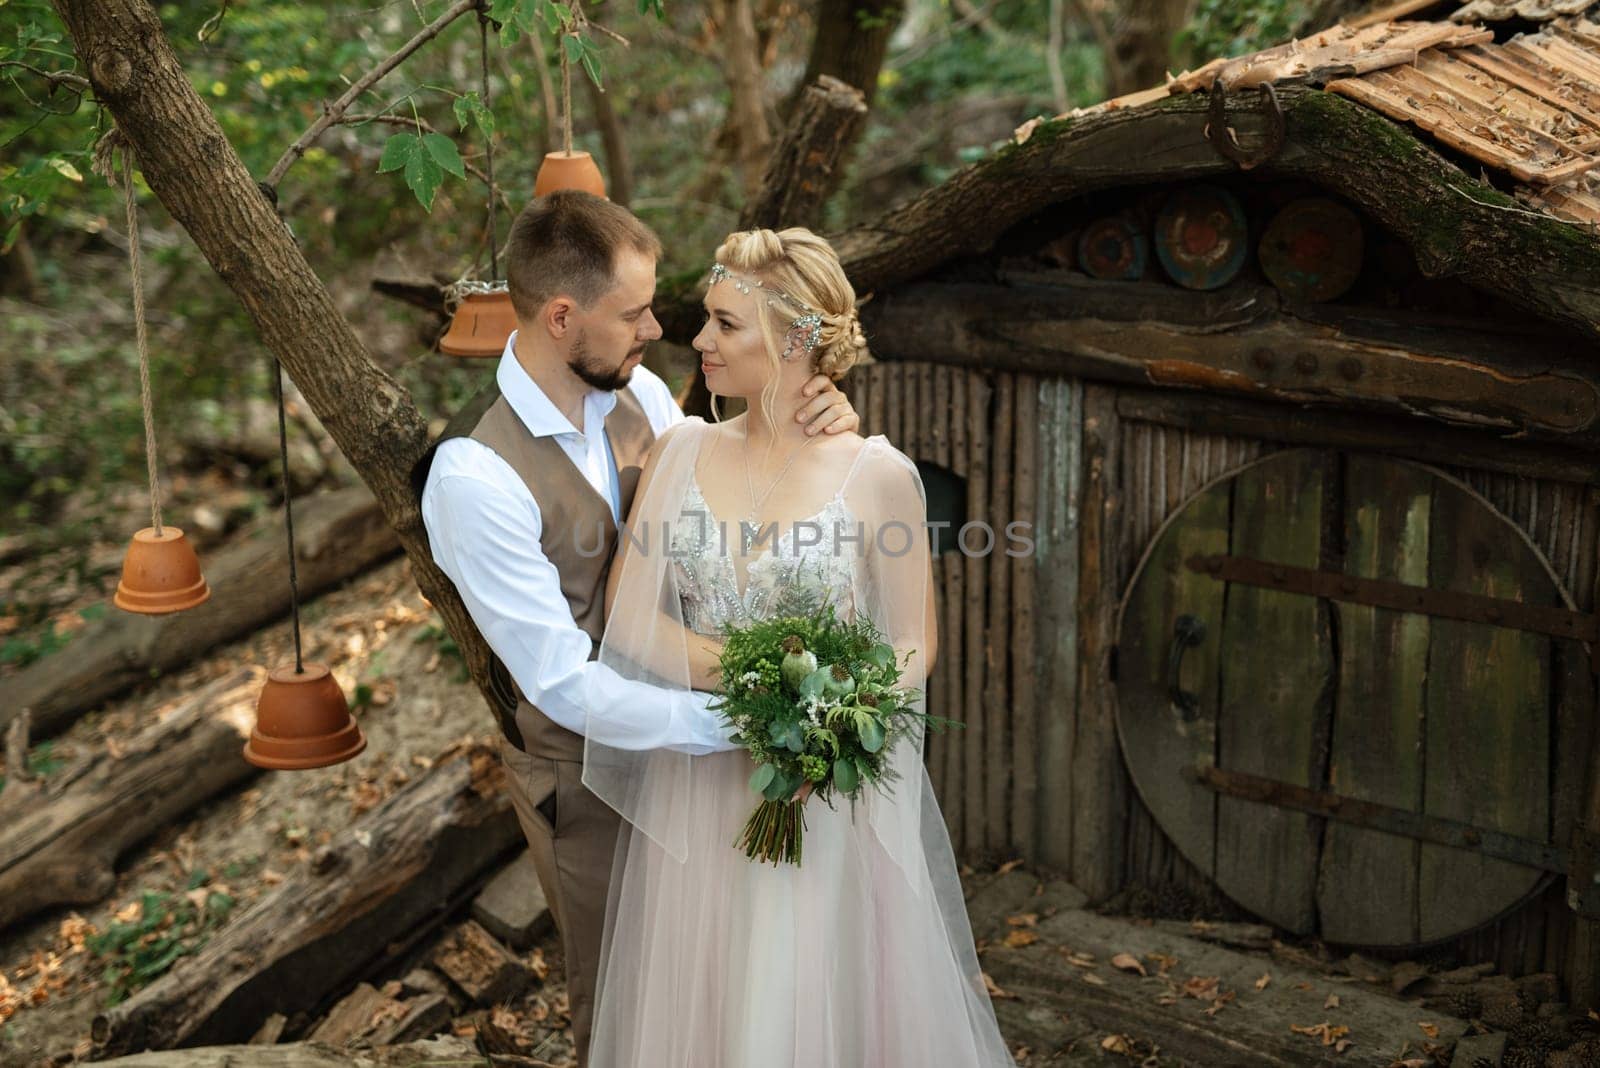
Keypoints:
(1321, 695)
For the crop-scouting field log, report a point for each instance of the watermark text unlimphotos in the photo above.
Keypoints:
(895, 538)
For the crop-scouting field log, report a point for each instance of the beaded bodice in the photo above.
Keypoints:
(783, 577)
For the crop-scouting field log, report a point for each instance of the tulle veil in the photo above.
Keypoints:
(660, 793)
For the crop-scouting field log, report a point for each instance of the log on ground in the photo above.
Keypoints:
(62, 837)
(383, 884)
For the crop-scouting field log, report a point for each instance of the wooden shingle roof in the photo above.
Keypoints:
(1528, 108)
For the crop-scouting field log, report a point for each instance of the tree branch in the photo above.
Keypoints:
(331, 113)
(193, 169)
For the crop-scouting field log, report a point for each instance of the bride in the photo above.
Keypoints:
(862, 957)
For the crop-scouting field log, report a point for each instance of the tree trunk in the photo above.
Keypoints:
(852, 39)
(363, 901)
(619, 166)
(800, 172)
(62, 837)
(337, 535)
(189, 164)
(747, 92)
(1142, 47)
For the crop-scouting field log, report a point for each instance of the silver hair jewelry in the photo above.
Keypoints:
(806, 329)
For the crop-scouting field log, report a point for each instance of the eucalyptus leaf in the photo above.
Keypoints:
(844, 775)
(812, 684)
(871, 735)
(761, 777)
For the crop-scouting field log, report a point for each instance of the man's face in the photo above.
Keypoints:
(611, 334)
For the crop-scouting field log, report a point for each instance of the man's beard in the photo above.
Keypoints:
(596, 373)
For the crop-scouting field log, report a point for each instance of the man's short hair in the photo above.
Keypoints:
(566, 243)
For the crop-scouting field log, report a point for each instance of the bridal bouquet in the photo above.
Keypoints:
(815, 700)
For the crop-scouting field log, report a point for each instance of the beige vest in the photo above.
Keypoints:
(574, 516)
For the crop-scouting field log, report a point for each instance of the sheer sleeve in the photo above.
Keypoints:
(894, 589)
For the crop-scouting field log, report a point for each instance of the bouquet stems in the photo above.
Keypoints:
(775, 832)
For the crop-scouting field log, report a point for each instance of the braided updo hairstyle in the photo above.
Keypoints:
(803, 265)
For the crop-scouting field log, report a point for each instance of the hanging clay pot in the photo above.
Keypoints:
(302, 721)
(482, 324)
(160, 574)
(563, 171)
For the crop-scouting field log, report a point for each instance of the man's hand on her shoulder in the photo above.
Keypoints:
(828, 409)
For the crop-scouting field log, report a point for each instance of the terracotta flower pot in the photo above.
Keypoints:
(160, 574)
(561, 171)
(302, 721)
(481, 326)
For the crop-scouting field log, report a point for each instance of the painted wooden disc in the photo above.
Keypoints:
(1312, 249)
(1202, 237)
(1114, 247)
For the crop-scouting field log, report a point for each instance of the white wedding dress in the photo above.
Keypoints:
(862, 957)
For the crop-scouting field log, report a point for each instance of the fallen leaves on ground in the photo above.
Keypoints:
(1266, 977)
(1332, 1002)
(994, 989)
(1026, 919)
(1330, 1034)
(1128, 963)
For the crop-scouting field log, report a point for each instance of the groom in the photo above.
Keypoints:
(515, 494)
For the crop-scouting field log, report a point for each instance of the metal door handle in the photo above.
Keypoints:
(1187, 632)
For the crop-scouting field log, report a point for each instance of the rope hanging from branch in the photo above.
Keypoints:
(488, 138)
(288, 512)
(104, 163)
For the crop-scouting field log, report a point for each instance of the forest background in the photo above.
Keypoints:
(674, 129)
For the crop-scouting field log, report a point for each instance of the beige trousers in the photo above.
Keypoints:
(572, 835)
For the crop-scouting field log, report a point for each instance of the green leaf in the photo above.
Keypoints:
(795, 740)
(761, 777)
(399, 151)
(779, 788)
(844, 775)
(443, 151)
(574, 47)
(591, 64)
(871, 735)
(423, 176)
(555, 16)
(812, 684)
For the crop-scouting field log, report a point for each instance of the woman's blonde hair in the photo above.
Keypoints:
(803, 267)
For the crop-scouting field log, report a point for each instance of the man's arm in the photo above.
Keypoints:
(487, 541)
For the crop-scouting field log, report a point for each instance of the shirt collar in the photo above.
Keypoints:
(536, 410)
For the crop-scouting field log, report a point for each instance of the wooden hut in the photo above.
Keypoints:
(1290, 367)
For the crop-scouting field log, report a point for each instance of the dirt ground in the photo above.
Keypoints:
(380, 639)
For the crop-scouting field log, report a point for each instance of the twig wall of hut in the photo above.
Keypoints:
(1029, 640)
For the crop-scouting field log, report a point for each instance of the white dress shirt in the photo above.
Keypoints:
(483, 529)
